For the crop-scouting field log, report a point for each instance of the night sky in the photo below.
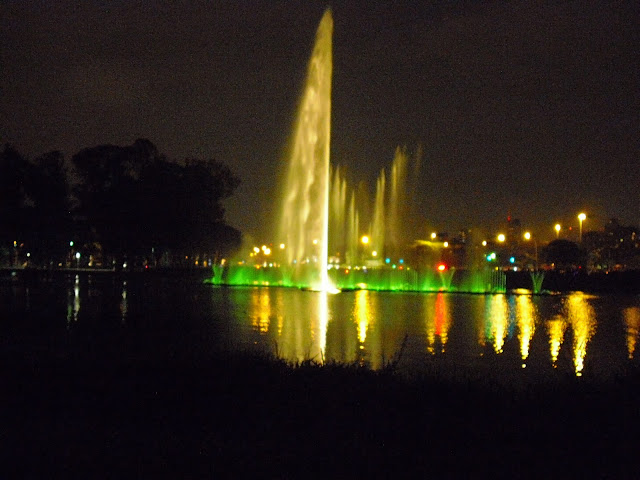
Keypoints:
(527, 108)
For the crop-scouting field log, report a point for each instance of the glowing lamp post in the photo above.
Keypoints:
(527, 236)
(502, 238)
(557, 228)
(581, 217)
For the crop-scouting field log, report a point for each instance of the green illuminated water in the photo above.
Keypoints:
(381, 279)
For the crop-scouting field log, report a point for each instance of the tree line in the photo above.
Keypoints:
(114, 203)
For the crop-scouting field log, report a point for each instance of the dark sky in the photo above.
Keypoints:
(529, 108)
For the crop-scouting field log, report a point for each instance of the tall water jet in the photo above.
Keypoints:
(304, 223)
(353, 226)
(396, 211)
(378, 224)
(337, 213)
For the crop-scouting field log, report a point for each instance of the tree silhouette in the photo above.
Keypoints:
(135, 201)
(50, 218)
(564, 254)
(14, 170)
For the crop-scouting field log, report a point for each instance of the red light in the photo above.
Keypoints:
(442, 267)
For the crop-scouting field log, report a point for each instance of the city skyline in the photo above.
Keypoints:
(521, 110)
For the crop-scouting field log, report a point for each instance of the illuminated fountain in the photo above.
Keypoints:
(318, 242)
(304, 225)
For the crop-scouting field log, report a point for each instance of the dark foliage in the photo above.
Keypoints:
(136, 200)
(244, 415)
(565, 254)
(34, 204)
(129, 201)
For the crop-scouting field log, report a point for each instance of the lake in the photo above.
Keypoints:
(106, 316)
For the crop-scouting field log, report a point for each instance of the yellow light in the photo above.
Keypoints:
(527, 235)
(374, 253)
(446, 244)
(264, 248)
(364, 239)
(484, 243)
(256, 249)
(557, 227)
(315, 242)
(433, 235)
(282, 246)
(501, 237)
(582, 217)
(267, 251)
(442, 267)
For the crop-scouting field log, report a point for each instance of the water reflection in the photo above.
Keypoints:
(124, 302)
(365, 326)
(369, 327)
(632, 320)
(73, 301)
(581, 317)
(525, 315)
(362, 315)
(556, 328)
(261, 310)
(320, 332)
(294, 323)
(496, 321)
(438, 317)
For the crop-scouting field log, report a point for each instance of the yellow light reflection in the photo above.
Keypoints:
(497, 321)
(632, 319)
(525, 314)
(582, 320)
(362, 314)
(323, 323)
(556, 328)
(261, 310)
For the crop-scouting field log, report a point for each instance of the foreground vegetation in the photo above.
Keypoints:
(240, 414)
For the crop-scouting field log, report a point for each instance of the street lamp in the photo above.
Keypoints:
(527, 236)
(501, 238)
(557, 229)
(582, 218)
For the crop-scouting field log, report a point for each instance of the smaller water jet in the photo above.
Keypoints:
(537, 278)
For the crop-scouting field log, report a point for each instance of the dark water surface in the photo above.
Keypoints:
(109, 317)
(111, 377)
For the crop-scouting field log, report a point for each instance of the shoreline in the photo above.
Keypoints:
(616, 282)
